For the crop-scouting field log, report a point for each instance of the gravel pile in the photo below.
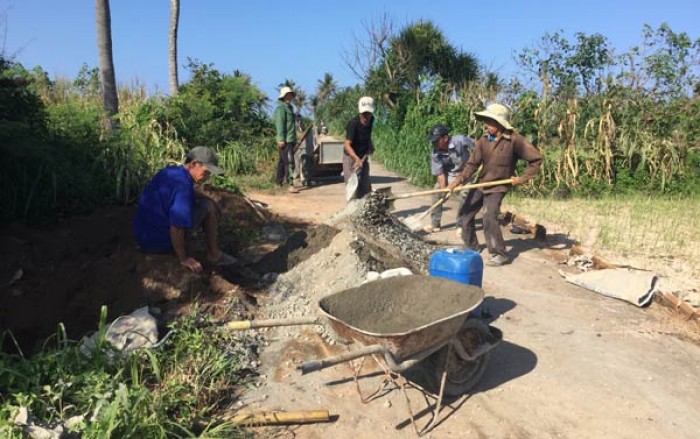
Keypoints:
(371, 239)
(296, 293)
(371, 219)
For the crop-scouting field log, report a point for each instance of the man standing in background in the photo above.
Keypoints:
(285, 129)
(358, 147)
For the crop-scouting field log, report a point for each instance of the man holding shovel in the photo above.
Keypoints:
(498, 151)
(358, 146)
(450, 154)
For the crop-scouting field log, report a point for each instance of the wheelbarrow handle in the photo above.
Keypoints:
(313, 366)
(241, 325)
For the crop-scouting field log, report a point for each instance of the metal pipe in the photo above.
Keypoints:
(313, 366)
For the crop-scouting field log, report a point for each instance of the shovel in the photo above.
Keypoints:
(414, 222)
(465, 187)
(353, 182)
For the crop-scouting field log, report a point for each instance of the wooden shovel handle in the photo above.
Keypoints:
(464, 187)
(419, 218)
(242, 325)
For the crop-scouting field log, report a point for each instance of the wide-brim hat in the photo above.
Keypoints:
(284, 91)
(496, 112)
(207, 157)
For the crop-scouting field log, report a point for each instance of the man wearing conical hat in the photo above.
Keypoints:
(498, 150)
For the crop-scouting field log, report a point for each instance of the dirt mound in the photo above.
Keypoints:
(65, 273)
(298, 247)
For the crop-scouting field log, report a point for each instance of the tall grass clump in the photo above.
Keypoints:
(60, 161)
(402, 145)
(174, 390)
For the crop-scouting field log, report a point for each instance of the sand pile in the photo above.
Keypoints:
(370, 240)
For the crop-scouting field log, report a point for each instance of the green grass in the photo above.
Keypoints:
(170, 391)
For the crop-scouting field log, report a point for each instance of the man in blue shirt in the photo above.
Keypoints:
(447, 160)
(169, 207)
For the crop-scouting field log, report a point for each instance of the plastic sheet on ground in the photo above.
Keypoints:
(633, 286)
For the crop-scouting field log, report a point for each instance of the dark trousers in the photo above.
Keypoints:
(491, 203)
(284, 175)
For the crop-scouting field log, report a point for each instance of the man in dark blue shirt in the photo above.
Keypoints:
(168, 207)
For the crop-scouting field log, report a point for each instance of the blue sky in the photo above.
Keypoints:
(274, 40)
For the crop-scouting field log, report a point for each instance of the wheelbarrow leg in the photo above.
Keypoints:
(438, 403)
(388, 379)
(403, 383)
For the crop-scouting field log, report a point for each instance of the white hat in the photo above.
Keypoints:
(496, 112)
(284, 91)
(366, 105)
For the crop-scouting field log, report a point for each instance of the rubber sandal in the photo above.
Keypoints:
(225, 259)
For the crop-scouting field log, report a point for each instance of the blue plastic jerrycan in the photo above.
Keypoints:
(464, 266)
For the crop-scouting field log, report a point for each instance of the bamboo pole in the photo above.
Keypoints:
(279, 417)
(241, 325)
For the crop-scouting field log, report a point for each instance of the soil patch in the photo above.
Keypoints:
(298, 247)
(67, 272)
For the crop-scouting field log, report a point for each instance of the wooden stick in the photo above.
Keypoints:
(413, 223)
(462, 188)
(241, 325)
(279, 417)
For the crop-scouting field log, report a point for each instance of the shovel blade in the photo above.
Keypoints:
(414, 222)
(351, 187)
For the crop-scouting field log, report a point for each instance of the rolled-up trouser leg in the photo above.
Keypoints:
(289, 151)
(492, 230)
(466, 217)
(281, 166)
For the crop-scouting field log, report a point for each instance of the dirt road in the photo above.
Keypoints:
(573, 364)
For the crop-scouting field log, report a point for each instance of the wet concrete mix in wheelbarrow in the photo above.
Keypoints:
(401, 304)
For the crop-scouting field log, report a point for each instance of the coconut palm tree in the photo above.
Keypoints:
(326, 89)
(172, 45)
(110, 101)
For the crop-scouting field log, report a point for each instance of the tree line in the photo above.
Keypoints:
(605, 121)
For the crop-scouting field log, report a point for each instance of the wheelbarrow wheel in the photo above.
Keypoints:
(462, 375)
